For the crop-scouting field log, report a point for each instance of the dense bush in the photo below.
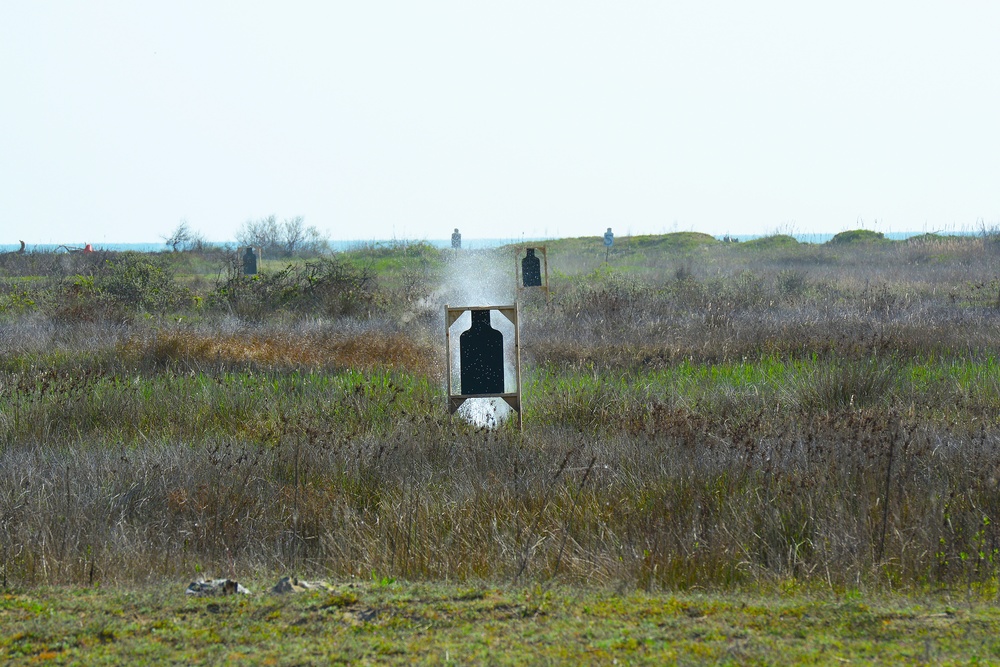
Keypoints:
(120, 287)
(327, 286)
(135, 281)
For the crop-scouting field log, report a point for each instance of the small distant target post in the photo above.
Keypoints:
(530, 271)
(481, 358)
(456, 239)
(250, 259)
(609, 240)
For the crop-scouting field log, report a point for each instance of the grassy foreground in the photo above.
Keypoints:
(385, 622)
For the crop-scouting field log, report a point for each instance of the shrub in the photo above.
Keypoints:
(16, 299)
(135, 281)
(770, 242)
(858, 236)
(326, 286)
(251, 298)
(335, 288)
(119, 287)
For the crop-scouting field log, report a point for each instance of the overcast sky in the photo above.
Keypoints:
(404, 120)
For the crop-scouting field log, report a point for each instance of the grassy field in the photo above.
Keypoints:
(818, 422)
(385, 622)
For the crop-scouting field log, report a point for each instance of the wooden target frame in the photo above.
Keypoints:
(519, 254)
(512, 398)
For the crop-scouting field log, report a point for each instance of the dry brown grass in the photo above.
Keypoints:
(855, 498)
(317, 350)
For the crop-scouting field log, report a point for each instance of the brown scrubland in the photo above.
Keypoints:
(696, 414)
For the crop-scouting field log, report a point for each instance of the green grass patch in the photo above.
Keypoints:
(420, 623)
(961, 391)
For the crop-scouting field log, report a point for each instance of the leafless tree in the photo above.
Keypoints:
(184, 238)
(285, 239)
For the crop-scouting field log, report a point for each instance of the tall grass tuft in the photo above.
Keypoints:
(848, 384)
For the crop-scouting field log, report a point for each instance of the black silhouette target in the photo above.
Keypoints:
(531, 270)
(481, 357)
(249, 262)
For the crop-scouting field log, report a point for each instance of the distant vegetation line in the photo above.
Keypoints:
(341, 245)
